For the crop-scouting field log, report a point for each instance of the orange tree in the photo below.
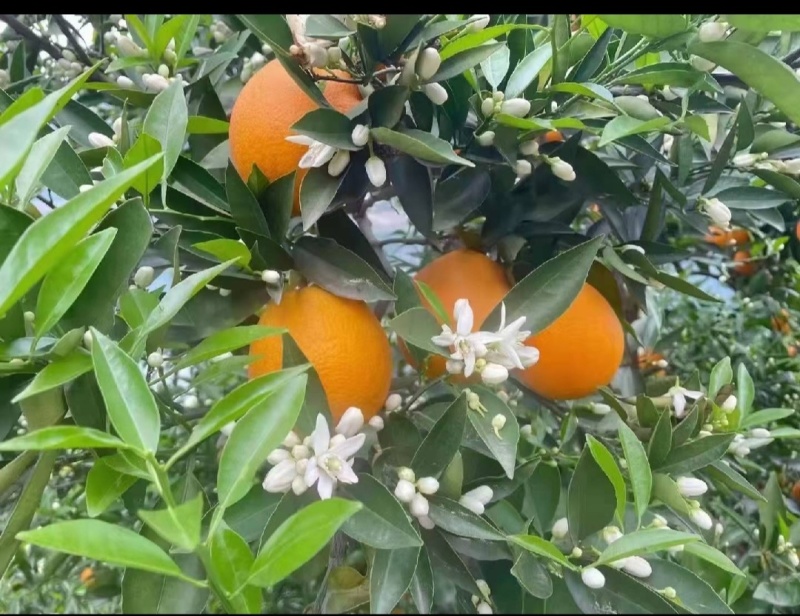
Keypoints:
(196, 313)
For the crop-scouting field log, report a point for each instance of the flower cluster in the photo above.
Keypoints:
(319, 458)
(482, 603)
(412, 492)
(490, 354)
(717, 212)
(679, 395)
(742, 445)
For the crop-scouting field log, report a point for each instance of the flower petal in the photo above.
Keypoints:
(280, 477)
(464, 317)
(346, 475)
(302, 140)
(325, 486)
(312, 472)
(321, 437)
(350, 447)
(351, 422)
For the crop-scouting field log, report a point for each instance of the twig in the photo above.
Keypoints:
(404, 240)
(29, 35)
(68, 29)
(335, 78)
(336, 558)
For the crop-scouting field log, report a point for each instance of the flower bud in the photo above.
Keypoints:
(88, 339)
(271, 277)
(163, 70)
(562, 169)
(376, 171)
(407, 474)
(191, 402)
(301, 452)
(29, 316)
(760, 433)
(471, 504)
(338, 163)
(124, 82)
(428, 63)
(478, 23)
(793, 558)
(690, 486)
(143, 276)
(529, 148)
(494, 374)
(426, 522)
(351, 422)
(701, 518)
(486, 138)
(730, 404)
(593, 578)
(316, 54)
(85, 187)
(126, 46)
(718, 529)
(299, 485)
(576, 552)
(611, 534)
(291, 440)
(560, 528)
(428, 485)
(404, 491)
(743, 161)
(155, 82)
(517, 107)
(637, 567)
(376, 422)
(435, 92)
(599, 409)
(659, 521)
(360, 135)
(712, 31)
(155, 359)
(523, 168)
(276, 456)
(701, 64)
(99, 140)
(393, 403)
(717, 211)
(498, 422)
(419, 505)
(487, 107)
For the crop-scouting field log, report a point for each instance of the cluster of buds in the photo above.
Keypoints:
(785, 547)
(490, 354)
(497, 103)
(99, 140)
(483, 603)
(742, 445)
(689, 487)
(786, 167)
(427, 65)
(476, 499)
(220, 31)
(319, 154)
(748, 161)
(66, 67)
(160, 81)
(412, 492)
(718, 213)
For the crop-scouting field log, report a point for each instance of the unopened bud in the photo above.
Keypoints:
(690, 486)
(155, 82)
(376, 171)
(29, 316)
(494, 374)
(529, 148)
(436, 93)
(484, 588)
(428, 63)
(338, 163)
(760, 433)
(593, 578)
(191, 402)
(155, 359)
(407, 474)
(124, 82)
(498, 421)
(669, 593)
(393, 402)
(599, 409)
(99, 140)
(163, 70)
(478, 23)
(144, 276)
(712, 31)
(576, 552)
(360, 135)
(523, 168)
(562, 169)
(730, 404)
(376, 422)
(87, 340)
(428, 485)
(517, 107)
(271, 277)
(487, 107)
(404, 491)
(486, 138)
(419, 505)
(701, 64)
(560, 528)
(126, 46)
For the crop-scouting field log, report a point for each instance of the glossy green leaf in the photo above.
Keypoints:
(641, 477)
(244, 206)
(532, 574)
(166, 121)
(713, 556)
(102, 541)
(626, 593)
(129, 401)
(751, 198)
(765, 23)
(661, 439)
(443, 441)
(460, 521)
(654, 26)
(48, 240)
(504, 445)
(56, 373)
(541, 547)
(745, 391)
(696, 454)
(420, 144)
(591, 500)
(226, 250)
(225, 341)
(453, 66)
(421, 588)
(721, 472)
(527, 70)
(179, 525)
(625, 126)
(299, 538)
(317, 191)
(327, 126)
(228, 564)
(104, 485)
(62, 437)
(383, 522)
(390, 577)
(693, 591)
(41, 154)
(609, 466)
(642, 542)
(417, 326)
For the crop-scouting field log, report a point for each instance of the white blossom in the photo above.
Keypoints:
(376, 423)
(318, 153)
(593, 578)
(679, 395)
(701, 64)
(484, 608)
(690, 486)
(331, 464)
(428, 63)
(126, 46)
(407, 474)
(99, 140)
(560, 528)
(717, 212)
(745, 161)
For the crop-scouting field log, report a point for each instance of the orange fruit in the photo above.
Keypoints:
(262, 115)
(553, 135)
(796, 492)
(780, 322)
(579, 351)
(341, 338)
(648, 358)
(87, 576)
(723, 239)
(791, 350)
(461, 273)
(743, 267)
(797, 230)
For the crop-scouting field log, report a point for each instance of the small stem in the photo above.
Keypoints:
(422, 390)
(404, 240)
(336, 78)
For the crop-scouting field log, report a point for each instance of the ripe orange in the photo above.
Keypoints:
(796, 492)
(743, 267)
(341, 338)
(780, 322)
(579, 351)
(87, 576)
(461, 273)
(797, 230)
(723, 239)
(648, 358)
(262, 115)
(553, 135)
(791, 350)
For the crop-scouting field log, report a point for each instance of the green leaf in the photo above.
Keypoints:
(327, 126)
(766, 75)
(197, 125)
(678, 74)
(541, 547)
(719, 471)
(751, 198)
(48, 240)
(387, 105)
(62, 437)
(177, 297)
(412, 183)
(696, 454)
(653, 26)
(102, 541)
(298, 539)
(179, 525)
(527, 70)
(226, 250)
(504, 447)
(383, 522)
(660, 440)
(129, 401)
(104, 485)
(683, 286)
(256, 434)
(609, 466)
(783, 592)
(335, 268)
(764, 417)
(41, 154)
(250, 515)
(638, 469)
(495, 67)
(326, 26)
(745, 391)
(64, 283)
(591, 499)
(56, 373)
(192, 180)
(224, 341)
(417, 326)
(721, 374)
(454, 65)
(443, 441)
(713, 556)
(316, 193)
(458, 520)
(624, 126)
(18, 133)
(692, 591)
(542, 494)
(537, 298)
(228, 565)
(166, 121)
(390, 577)
(532, 575)
(724, 154)
(627, 594)
(642, 542)
(422, 584)
(420, 144)
(243, 204)
(765, 23)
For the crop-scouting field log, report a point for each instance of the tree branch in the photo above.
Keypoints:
(29, 35)
(70, 32)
